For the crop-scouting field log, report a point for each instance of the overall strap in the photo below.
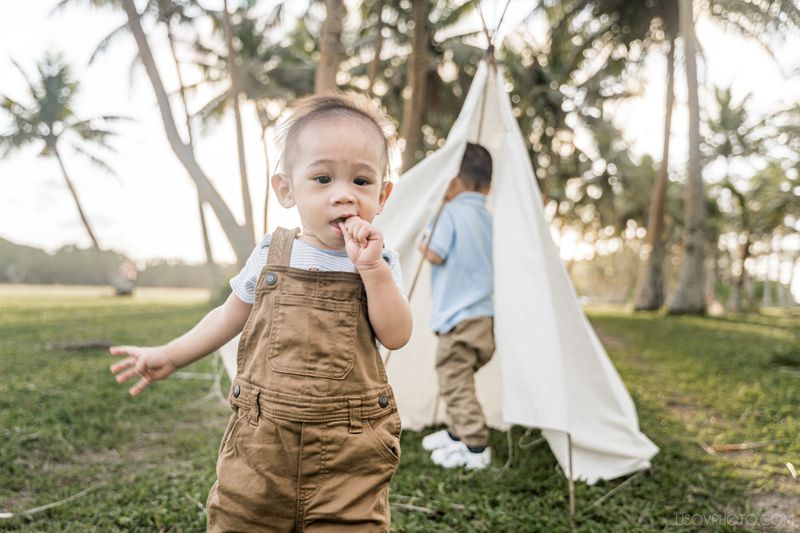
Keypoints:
(280, 246)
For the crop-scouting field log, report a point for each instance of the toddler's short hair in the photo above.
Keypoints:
(476, 167)
(312, 108)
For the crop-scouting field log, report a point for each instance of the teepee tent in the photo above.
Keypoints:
(550, 370)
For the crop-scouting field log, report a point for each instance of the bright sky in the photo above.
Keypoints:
(149, 209)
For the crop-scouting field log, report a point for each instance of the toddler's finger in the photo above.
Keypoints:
(123, 350)
(139, 387)
(363, 234)
(125, 376)
(345, 231)
(122, 365)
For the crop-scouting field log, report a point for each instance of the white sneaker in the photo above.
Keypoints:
(434, 441)
(458, 454)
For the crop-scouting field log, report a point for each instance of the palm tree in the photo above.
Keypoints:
(560, 86)
(330, 49)
(755, 20)
(377, 46)
(268, 71)
(233, 70)
(411, 130)
(689, 295)
(650, 294)
(237, 235)
(426, 99)
(49, 120)
(731, 136)
(170, 13)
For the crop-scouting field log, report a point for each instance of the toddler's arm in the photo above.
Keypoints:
(153, 363)
(432, 257)
(389, 312)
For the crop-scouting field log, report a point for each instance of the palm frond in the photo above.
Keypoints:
(107, 40)
(94, 160)
(34, 91)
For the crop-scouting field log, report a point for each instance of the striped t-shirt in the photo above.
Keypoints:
(306, 257)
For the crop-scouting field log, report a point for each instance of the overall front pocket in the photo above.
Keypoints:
(313, 337)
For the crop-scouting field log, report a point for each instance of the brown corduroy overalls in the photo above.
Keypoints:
(314, 437)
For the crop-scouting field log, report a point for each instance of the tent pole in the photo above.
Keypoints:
(571, 482)
(419, 268)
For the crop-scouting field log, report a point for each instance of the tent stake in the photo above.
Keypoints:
(571, 479)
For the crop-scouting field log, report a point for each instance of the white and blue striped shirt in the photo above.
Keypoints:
(306, 257)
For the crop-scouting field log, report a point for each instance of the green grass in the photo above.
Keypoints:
(66, 425)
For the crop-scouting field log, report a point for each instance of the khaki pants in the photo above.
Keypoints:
(460, 354)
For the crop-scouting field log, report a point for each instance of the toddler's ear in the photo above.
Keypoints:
(385, 193)
(282, 185)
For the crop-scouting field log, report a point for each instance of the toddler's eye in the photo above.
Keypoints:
(361, 181)
(322, 179)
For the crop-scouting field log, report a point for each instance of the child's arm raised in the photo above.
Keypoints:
(389, 312)
(153, 363)
(432, 257)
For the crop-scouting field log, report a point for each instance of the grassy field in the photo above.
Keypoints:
(146, 464)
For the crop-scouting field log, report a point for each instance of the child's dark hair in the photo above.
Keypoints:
(476, 167)
(318, 107)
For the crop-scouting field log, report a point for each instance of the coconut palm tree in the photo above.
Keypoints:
(418, 64)
(233, 71)
(689, 295)
(330, 48)
(48, 120)
(755, 20)
(237, 235)
(269, 72)
(561, 82)
(171, 14)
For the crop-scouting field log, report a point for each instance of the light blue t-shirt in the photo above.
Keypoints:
(462, 286)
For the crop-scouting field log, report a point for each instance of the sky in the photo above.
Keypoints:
(148, 209)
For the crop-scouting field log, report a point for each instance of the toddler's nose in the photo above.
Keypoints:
(342, 195)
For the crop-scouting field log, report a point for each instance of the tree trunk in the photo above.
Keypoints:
(689, 296)
(74, 194)
(738, 291)
(377, 48)
(233, 70)
(330, 50)
(211, 267)
(190, 134)
(263, 120)
(651, 290)
(237, 236)
(413, 107)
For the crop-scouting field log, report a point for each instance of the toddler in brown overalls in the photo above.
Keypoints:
(313, 440)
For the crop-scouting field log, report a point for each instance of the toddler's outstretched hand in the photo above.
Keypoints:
(363, 242)
(151, 363)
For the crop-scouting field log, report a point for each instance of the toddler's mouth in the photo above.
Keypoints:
(335, 223)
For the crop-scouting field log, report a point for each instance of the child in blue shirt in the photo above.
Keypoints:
(462, 311)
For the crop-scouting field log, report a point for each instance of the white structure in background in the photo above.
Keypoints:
(550, 371)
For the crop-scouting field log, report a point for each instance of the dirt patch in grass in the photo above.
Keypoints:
(780, 511)
(774, 509)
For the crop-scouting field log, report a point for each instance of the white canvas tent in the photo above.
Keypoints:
(550, 370)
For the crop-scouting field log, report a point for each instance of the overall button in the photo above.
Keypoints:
(383, 400)
(271, 278)
(236, 391)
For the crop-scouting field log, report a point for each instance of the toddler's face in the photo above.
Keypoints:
(336, 172)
